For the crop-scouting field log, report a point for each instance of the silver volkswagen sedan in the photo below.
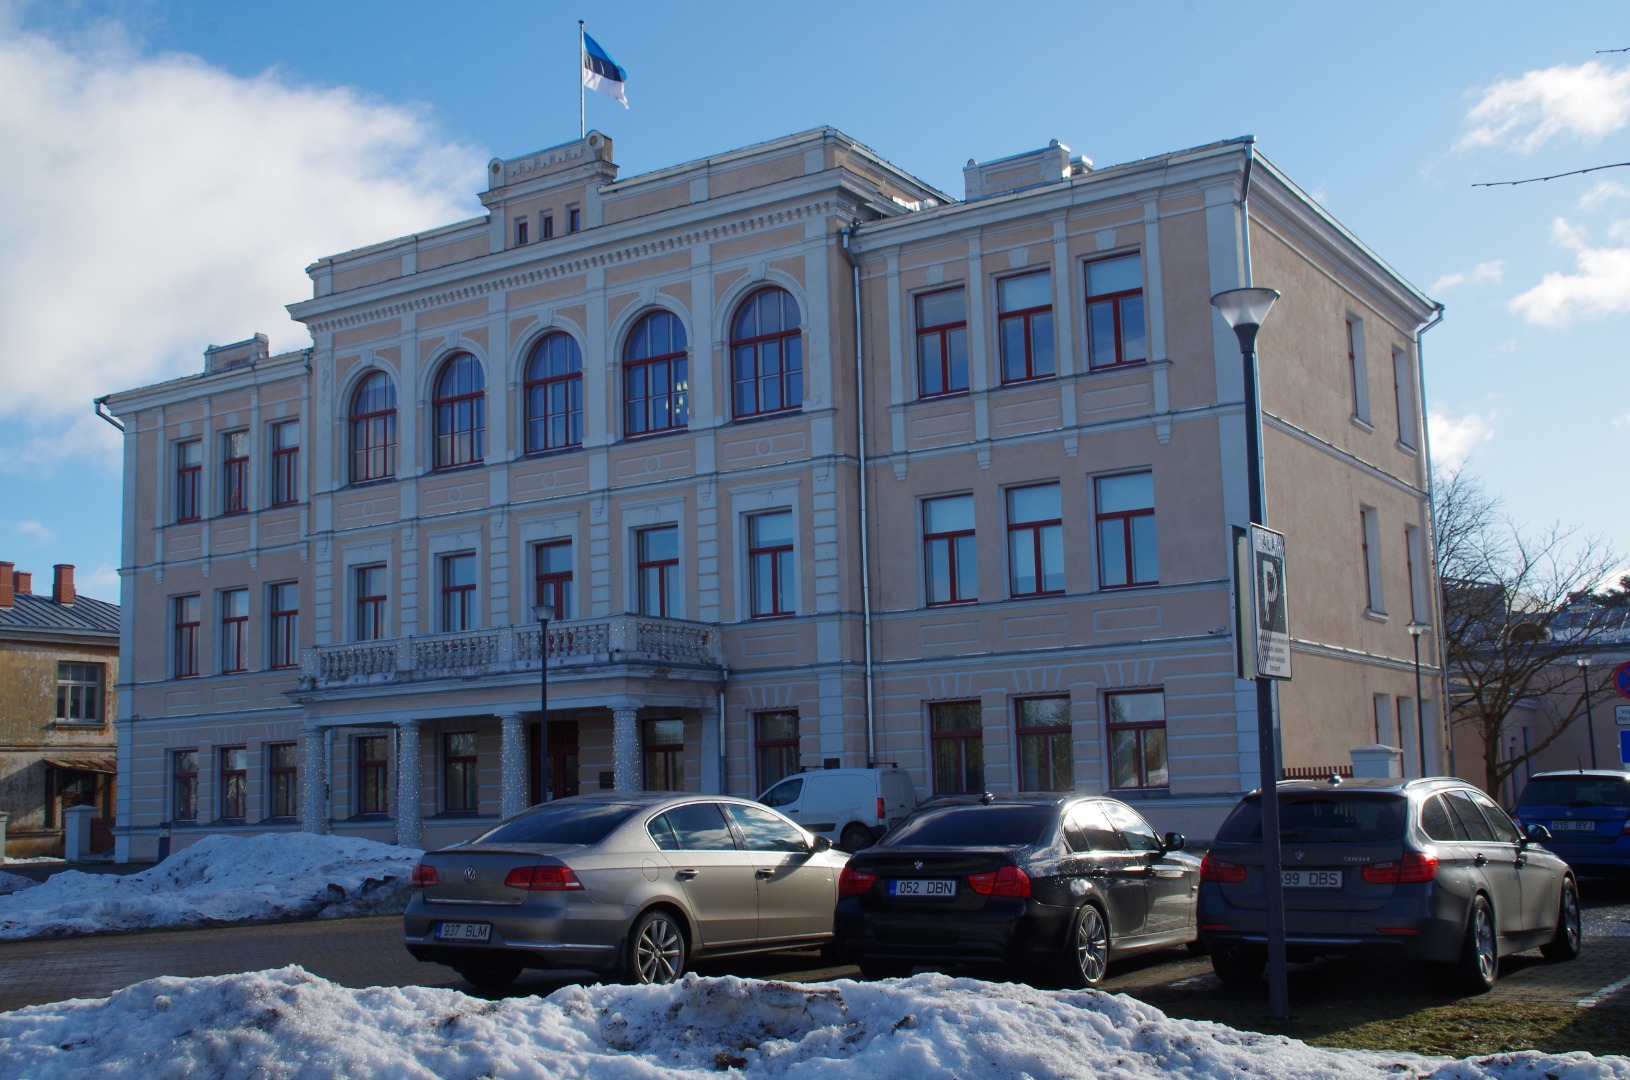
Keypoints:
(632, 885)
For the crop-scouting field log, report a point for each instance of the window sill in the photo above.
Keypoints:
(1376, 616)
(1404, 448)
(1362, 423)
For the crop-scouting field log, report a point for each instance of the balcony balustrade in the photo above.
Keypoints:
(580, 643)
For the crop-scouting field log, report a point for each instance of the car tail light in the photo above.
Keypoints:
(543, 878)
(854, 882)
(1215, 869)
(882, 811)
(1411, 869)
(424, 876)
(1008, 881)
(1626, 829)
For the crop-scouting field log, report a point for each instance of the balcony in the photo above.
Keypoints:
(580, 643)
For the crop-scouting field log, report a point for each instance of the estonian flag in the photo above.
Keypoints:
(600, 71)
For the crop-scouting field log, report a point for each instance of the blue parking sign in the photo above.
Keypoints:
(1624, 748)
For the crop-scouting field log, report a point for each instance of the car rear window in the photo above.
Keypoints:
(1575, 791)
(977, 826)
(561, 823)
(1321, 818)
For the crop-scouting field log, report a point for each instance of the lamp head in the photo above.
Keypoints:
(1244, 311)
(543, 612)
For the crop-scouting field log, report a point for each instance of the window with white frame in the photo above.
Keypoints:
(1403, 392)
(79, 692)
(1357, 372)
(1370, 536)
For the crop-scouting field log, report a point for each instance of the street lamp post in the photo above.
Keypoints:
(1590, 718)
(543, 613)
(1244, 310)
(1416, 629)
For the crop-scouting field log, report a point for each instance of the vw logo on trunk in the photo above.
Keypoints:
(469, 875)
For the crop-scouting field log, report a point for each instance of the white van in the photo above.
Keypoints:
(850, 807)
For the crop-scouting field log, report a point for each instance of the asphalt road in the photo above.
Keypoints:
(368, 952)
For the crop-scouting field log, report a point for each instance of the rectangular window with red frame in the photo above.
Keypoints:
(373, 774)
(371, 601)
(283, 624)
(1035, 541)
(285, 462)
(770, 564)
(775, 745)
(234, 630)
(956, 736)
(1025, 326)
(235, 472)
(189, 467)
(552, 577)
(184, 785)
(1136, 723)
(185, 615)
(283, 780)
(459, 773)
(950, 565)
(1042, 725)
(657, 572)
(1116, 334)
(1127, 552)
(458, 592)
(942, 342)
(234, 782)
(662, 746)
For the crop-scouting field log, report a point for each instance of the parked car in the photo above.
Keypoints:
(1061, 883)
(628, 884)
(1588, 814)
(1428, 870)
(850, 807)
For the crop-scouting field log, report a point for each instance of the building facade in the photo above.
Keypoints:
(59, 666)
(808, 464)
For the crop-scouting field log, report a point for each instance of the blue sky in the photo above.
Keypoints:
(172, 167)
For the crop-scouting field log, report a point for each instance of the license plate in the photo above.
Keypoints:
(1573, 826)
(923, 887)
(463, 931)
(1311, 879)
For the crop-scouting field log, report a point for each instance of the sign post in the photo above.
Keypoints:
(1269, 601)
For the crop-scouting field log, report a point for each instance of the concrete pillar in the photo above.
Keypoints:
(625, 749)
(409, 810)
(512, 765)
(4, 818)
(1377, 760)
(314, 801)
(76, 832)
(712, 749)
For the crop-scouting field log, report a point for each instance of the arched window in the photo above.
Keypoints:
(460, 410)
(766, 354)
(656, 382)
(554, 394)
(373, 429)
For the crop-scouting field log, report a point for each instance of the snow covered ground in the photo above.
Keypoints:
(289, 1023)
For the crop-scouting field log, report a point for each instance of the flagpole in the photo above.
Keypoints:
(581, 122)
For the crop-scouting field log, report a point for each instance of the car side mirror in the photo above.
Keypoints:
(1173, 842)
(820, 844)
(1535, 834)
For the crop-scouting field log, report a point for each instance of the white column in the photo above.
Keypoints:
(409, 812)
(712, 749)
(314, 781)
(512, 765)
(625, 749)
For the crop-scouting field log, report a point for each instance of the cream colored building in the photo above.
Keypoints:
(980, 530)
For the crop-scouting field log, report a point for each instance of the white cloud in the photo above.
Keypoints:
(1587, 101)
(1622, 421)
(35, 531)
(1602, 192)
(1454, 438)
(1599, 285)
(1485, 273)
(153, 205)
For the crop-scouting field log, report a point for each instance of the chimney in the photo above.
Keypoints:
(6, 594)
(62, 586)
(23, 582)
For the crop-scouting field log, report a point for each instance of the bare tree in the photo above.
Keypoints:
(1519, 607)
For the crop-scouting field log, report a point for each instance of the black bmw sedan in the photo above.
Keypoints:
(1062, 884)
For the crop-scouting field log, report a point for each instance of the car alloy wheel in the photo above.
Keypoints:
(1479, 963)
(1565, 946)
(1087, 957)
(656, 949)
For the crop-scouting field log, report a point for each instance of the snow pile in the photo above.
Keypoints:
(289, 1023)
(221, 879)
(11, 883)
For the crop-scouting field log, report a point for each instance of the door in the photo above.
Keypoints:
(797, 893)
(1496, 860)
(1117, 874)
(565, 769)
(1173, 885)
(717, 879)
(1538, 878)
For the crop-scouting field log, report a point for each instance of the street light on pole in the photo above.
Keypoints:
(1244, 310)
(1590, 719)
(543, 613)
(1416, 629)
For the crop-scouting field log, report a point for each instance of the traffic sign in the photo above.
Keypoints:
(1624, 749)
(1621, 678)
